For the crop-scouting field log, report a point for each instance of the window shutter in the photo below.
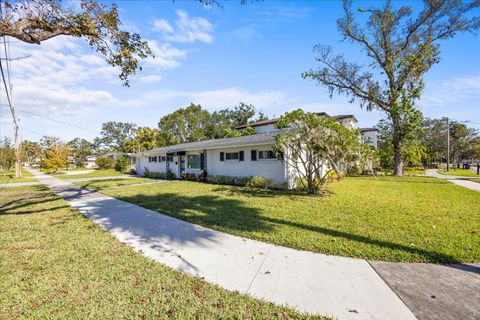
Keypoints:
(240, 156)
(222, 156)
(202, 161)
(254, 155)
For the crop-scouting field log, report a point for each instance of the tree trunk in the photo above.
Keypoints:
(397, 150)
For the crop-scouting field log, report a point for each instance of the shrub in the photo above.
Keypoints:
(154, 175)
(300, 184)
(252, 182)
(258, 182)
(225, 180)
(202, 177)
(212, 179)
(410, 171)
(123, 164)
(241, 181)
(104, 163)
(170, 175)
(189, 176)
(159, 175)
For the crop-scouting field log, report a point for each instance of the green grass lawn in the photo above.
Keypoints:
(10, 177)
(95, 173)
(458, 172)
(56, 264)
(409, 219)
(104, 184)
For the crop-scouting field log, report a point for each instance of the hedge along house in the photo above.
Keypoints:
(243, 156)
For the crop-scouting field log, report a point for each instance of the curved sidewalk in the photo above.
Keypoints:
(458, 180)
(344, 288)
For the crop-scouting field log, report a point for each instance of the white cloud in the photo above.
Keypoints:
(162, 25)
(209, 99)
(227, 97)
(285, 13)
(453, 90)
(166, 56)
(63, 77)
(186, 29)
(56, 100)
(150, 78)
(246, 32)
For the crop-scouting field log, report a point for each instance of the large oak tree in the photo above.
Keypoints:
(401, 48)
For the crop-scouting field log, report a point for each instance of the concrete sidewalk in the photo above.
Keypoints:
(34, 183)
(458, 180)
(341, 287)
(20, 184)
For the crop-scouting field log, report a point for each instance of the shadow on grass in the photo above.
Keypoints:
(466, 267)
(232, 215)
(257, 192)
(89, 184)
(403, 179)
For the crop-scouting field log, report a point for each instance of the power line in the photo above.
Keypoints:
(59, 121)
(55, 120)
(7, 92)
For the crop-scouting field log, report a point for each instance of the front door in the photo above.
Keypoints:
(181, 160)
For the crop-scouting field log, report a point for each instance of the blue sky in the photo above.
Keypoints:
(254, 53)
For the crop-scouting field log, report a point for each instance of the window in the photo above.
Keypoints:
(170, 158)
(154, 159)
(194, 161)
(164, 158)
(231, 155)
(264, 155)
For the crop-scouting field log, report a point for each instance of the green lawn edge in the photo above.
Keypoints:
(407, 219)
(458, 172)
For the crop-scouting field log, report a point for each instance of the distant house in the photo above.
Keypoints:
(242, 156)
(369, 136)
(116, 155)
(91, 162)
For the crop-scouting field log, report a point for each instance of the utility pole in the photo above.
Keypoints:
(16, 142)
(448, 144)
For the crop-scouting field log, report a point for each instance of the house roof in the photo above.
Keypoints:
(259, 123)
(254, 139)
(368, 129)
(275, 120)
(345, 116)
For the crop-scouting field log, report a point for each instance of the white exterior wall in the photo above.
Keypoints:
(142, 162)
(265, 128)
(271, 169)
(348, 123)
(370, 138)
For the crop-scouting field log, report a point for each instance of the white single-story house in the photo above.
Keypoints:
(243, 156)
